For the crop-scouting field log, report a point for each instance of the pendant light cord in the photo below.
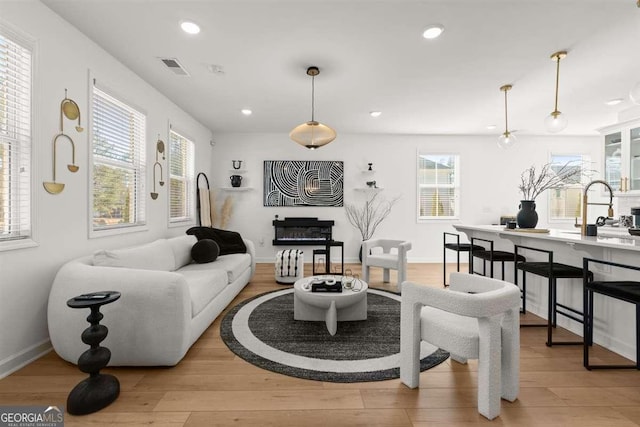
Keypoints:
(506, 122)
(313, 96)
(557, 82)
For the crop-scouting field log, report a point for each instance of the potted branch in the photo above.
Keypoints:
(534, 182)
(367, 217)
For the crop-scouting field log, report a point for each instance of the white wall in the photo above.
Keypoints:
(63, 58)
(489, 182)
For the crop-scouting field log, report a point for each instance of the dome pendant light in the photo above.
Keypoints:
(507, 139)
(312, 134)
(556, 121)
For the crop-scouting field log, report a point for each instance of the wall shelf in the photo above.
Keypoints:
(237, 189)
(237, 171)
(365, 189)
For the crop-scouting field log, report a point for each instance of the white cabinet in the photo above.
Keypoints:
(622, 156)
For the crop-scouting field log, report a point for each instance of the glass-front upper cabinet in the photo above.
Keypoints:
(634, 158)
(613, 159)
(622, 156)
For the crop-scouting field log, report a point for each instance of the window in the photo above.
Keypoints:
(118, 147)
(565, 202)
(15, 139)
(438, 186)
(181, 177)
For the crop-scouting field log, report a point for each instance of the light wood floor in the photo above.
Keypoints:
(213, 387)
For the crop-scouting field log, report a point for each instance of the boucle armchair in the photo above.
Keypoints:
(393, 257)
(476, 318)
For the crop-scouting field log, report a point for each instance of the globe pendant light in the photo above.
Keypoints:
(312, 134)
(556, 121)
(507, 139)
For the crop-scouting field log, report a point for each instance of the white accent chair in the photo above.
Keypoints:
(387, 259)
(476, 318)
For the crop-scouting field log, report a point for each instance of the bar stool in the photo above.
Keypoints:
(458, 247)
(552, 271)
(491, 256)
(624, 290)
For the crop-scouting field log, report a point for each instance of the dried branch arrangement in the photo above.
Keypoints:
(367, 218)
(532, 182)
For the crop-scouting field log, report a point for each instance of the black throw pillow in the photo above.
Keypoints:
(205, 250)
(230, 242)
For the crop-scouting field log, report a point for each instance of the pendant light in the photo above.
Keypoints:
(312, 134)
(556, 121)
(507, 139)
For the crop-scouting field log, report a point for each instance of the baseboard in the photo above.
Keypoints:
(605, 340)
(22, 359)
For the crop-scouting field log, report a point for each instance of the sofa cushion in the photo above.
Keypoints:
(204, 251)
(151, 256)
(230, 242)
(181, 246)
(204, 286)
(234, 265)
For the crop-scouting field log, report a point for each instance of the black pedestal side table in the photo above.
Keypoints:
(99, 390)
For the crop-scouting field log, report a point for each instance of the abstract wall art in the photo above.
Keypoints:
(303, 183)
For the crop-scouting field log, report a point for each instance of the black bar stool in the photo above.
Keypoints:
(624, 290)
(552, 271)
(491, 256)
(458, 247)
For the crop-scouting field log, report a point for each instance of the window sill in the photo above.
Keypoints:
(11, 245)
(94, 234)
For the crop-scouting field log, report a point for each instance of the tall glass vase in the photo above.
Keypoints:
(527, 216)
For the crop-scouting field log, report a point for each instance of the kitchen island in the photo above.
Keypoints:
(615, 320)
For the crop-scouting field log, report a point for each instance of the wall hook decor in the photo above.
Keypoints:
(160, 149)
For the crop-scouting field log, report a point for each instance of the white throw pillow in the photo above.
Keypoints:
(156, 255)
(181, 246)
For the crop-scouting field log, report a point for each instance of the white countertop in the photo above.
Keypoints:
(608, 237)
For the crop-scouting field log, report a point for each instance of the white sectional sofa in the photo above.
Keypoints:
(167, 300)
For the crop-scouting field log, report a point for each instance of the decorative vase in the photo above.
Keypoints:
(236, 180)
(527, 216)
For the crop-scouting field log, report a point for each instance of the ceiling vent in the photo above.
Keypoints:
(175, 66)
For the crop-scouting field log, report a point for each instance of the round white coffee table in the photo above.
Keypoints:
(332, 307)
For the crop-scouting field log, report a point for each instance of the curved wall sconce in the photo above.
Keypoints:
(159, 150)
(70, 110)
(57, 187)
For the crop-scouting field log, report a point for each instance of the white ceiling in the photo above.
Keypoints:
(372, 57)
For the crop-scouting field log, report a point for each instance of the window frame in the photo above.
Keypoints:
(189, 178)
(455, 185)
(28, 239)
(585, 159)
(141, 172)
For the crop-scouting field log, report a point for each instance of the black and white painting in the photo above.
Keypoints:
(303, 183)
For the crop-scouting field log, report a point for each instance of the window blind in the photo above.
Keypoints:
(118, 146)
(437, 186)
(15, 139)
(181, 171)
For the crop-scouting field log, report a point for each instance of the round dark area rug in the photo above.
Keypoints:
(261, 330)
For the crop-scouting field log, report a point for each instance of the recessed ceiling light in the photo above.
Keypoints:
(190, 27)
(246, 111)
(614, 101)
(433, 31)
(375, 113)
(490, 127)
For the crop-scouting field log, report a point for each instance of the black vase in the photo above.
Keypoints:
(527, 216)
(236, 180)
